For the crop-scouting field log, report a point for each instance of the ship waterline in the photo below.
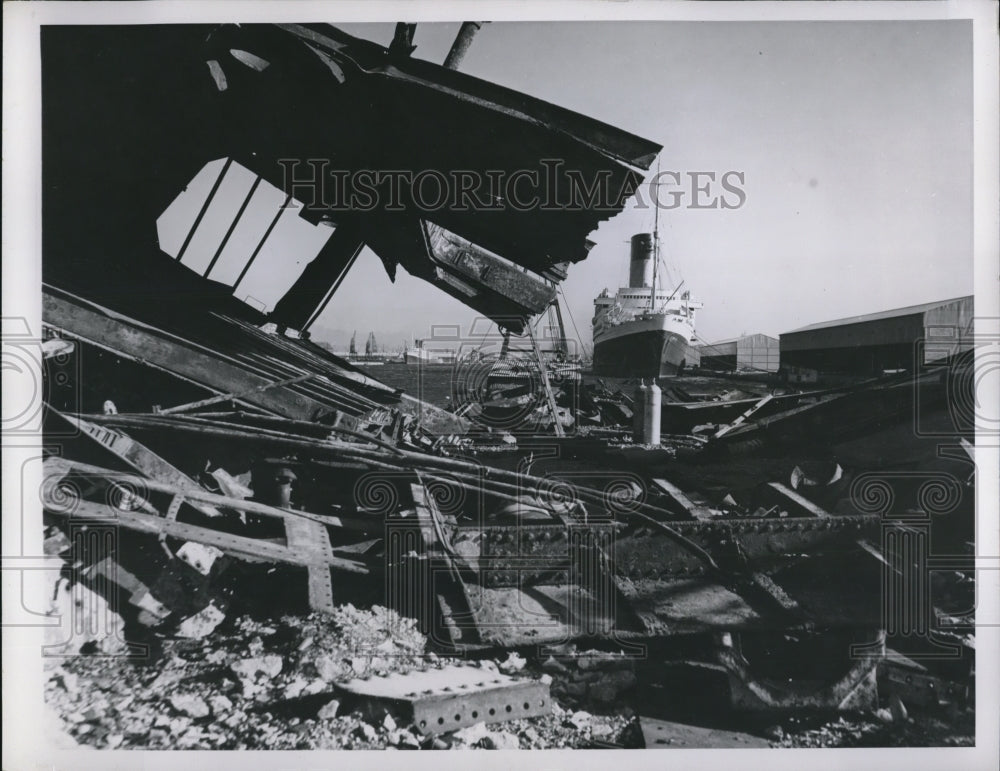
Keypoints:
(650, 353)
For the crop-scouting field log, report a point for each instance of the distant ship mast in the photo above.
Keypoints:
(656, 238)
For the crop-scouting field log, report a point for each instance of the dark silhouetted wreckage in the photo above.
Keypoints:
(217, 440)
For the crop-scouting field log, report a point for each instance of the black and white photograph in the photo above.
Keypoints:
(501, 376)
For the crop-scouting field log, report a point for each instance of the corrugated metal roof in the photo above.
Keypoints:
(878, 316)
(731, 340)
(727, 341)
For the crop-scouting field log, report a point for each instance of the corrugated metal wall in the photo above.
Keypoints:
(758, 352)
(876, 345)
(948, 329)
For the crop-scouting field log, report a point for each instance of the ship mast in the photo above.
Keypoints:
(656, 238)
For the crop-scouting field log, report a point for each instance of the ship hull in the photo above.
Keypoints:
(649, 353)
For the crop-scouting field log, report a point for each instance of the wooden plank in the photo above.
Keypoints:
(130, 339)
(807, 507)
(766, 584)
(312, 541)
(742, 418)
(802, 504)
(681, 501)
(236, 545)
(427, 531)
(763, 423)
(233, 396)
(546, 385)
(61, 465)
(142, 459)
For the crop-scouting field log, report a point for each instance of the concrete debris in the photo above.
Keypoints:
(472, 734)
(513, 663)
(199, 556)
(403, 738)
(220, 704)
(56, 543)
(270, 666)
(202, 623)
(66, 679)
(152, 612)
(85, 621)
(192, 706)
(500, 740)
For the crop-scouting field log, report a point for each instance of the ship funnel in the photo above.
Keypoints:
(641, 264)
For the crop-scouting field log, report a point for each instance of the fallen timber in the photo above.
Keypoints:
(663, 569)
(528, 558)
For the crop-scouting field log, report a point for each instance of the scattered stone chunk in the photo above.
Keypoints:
(513, 663)
(270, 665)
(315, 686)
(403, 738)
(500, 740)
(190, 705)
(472, 734)
(199, 556)
(294, 688)
(202, 623)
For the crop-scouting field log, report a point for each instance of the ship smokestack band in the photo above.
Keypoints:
(641, 264)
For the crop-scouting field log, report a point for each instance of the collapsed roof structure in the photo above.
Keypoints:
(293, 103)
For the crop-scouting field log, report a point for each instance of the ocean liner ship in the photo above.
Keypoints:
(644, 331)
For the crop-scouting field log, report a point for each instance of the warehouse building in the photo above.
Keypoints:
(751, 352)
(897, 339)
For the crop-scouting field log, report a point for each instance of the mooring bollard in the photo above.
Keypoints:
(639, 412)
(651, 414)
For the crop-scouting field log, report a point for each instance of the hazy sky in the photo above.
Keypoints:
(855, 139)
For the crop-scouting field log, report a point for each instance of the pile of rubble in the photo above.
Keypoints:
(888, 728)
(276, 685)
